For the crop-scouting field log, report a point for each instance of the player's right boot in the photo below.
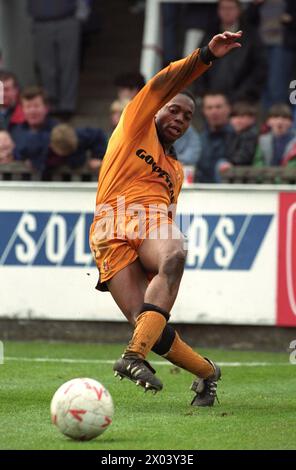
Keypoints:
(138, 370)
(206, 389)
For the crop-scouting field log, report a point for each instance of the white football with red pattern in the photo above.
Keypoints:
(82, 409)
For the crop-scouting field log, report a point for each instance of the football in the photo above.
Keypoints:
(82, 409)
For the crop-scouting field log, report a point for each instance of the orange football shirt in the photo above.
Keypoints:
(135, 165)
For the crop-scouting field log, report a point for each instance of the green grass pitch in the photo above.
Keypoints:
(257, 407)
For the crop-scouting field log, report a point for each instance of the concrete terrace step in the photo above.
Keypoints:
(94, 106)
(115, 49)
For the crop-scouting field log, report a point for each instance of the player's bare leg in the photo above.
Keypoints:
(131, 298)
(168, 257)
(130, 301)
(165, 258)
(157, 256)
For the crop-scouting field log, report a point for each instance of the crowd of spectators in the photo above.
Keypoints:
(262, 69)
(29, 133)
(233, 136)
(30, 119)
(247, 119)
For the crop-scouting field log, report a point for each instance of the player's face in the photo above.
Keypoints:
(173, 120)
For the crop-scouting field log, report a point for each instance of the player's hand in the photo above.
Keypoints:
(222, 44)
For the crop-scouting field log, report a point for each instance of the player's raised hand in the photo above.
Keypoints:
(223, 43)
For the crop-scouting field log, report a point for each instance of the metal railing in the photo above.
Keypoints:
(19, 171)
(264, 175)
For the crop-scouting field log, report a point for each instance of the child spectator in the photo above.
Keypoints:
(79, 146)
(7, 147)
(68, 147)
(241, 146)
(274, 145)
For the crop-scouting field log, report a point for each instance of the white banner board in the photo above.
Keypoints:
(47, 272)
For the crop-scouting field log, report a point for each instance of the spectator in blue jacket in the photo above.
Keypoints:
(188, 147)
(37, 124)
(273, 146)
(215, 137)
(66, 147)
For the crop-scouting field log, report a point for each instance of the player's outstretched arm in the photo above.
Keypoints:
(171, 80)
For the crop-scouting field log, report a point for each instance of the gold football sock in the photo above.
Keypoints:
(148, 328)
(183, 356)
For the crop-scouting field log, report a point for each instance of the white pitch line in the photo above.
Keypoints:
(111, 361)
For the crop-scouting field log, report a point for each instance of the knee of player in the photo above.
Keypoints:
(174, 262)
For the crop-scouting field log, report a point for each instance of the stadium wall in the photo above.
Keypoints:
(240, 269)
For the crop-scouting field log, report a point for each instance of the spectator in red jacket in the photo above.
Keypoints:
(11, 112)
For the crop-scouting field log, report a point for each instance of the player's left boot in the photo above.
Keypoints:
(206, 389)
(138, 370)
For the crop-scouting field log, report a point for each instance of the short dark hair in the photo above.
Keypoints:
(237, 2)
(280, 110)
(31, 92)
(130, 80)
(190, 95)
(215, 93)
(7, 75)
(244, 108)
